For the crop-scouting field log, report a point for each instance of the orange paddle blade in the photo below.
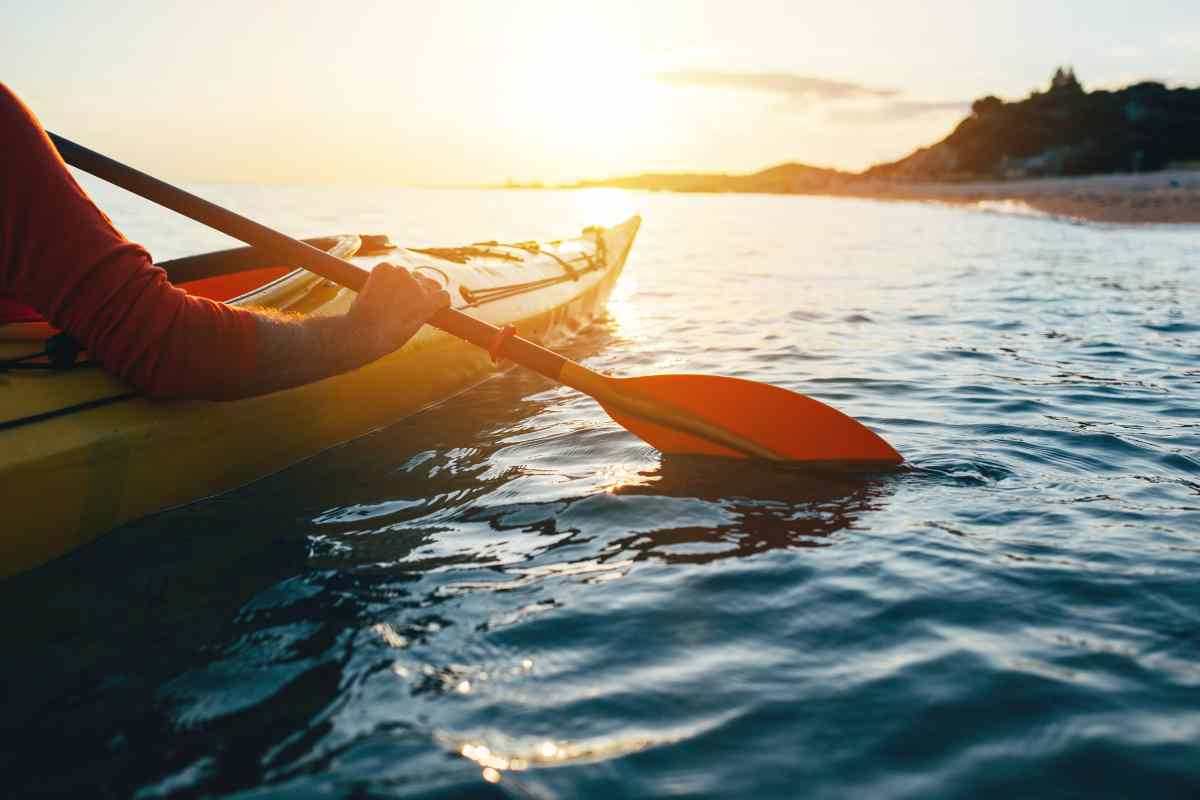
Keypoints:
(789, 425)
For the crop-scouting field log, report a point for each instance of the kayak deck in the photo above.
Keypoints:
(84, 453)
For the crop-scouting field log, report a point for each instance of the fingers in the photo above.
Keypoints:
(439, 299)
(390, 275)
(388, 282)
(437, 296)
(429, 284)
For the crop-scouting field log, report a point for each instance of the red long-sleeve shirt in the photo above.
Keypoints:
(61, 256)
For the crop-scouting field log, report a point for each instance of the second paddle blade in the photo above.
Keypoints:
(794, 427)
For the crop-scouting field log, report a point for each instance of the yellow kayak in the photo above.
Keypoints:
(81, 453)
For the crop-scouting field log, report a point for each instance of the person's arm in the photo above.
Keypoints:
(293, 351)
(61, 255)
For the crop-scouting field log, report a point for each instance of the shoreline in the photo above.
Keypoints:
(1168, 197)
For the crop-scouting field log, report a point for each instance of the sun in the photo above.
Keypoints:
(584, 105)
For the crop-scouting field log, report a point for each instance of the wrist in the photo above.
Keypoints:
(361, 341)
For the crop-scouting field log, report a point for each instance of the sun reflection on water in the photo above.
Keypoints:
(508, 754)
(604, 206)
(624, 311)
(614, 477)
(547, 753)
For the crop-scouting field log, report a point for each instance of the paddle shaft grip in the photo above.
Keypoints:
(294, 251)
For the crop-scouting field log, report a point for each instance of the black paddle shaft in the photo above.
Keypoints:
(296, 252)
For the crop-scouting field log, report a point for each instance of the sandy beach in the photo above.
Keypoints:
(1171, 196)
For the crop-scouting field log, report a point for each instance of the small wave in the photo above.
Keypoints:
(974, 472)
(955, 353)
(1013, 207)
(498, 752)
(1020, 208)
(1174, 327)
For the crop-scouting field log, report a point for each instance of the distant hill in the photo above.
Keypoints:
(783, 179)
(1062, 131)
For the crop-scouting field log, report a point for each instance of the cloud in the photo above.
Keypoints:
(856, 102)
(792, 87)
(900, 110)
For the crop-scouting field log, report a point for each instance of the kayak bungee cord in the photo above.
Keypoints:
(74, 408)
(60, 351)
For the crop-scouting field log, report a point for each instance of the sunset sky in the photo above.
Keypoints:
(450, 93)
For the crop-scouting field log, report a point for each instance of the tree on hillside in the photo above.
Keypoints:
(1064, 81)
(986, 105)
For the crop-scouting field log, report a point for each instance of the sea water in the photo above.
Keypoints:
(509, 596)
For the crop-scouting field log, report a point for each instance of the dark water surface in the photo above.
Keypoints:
(509, 596)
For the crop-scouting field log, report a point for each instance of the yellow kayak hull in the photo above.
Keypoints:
(81, 454)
